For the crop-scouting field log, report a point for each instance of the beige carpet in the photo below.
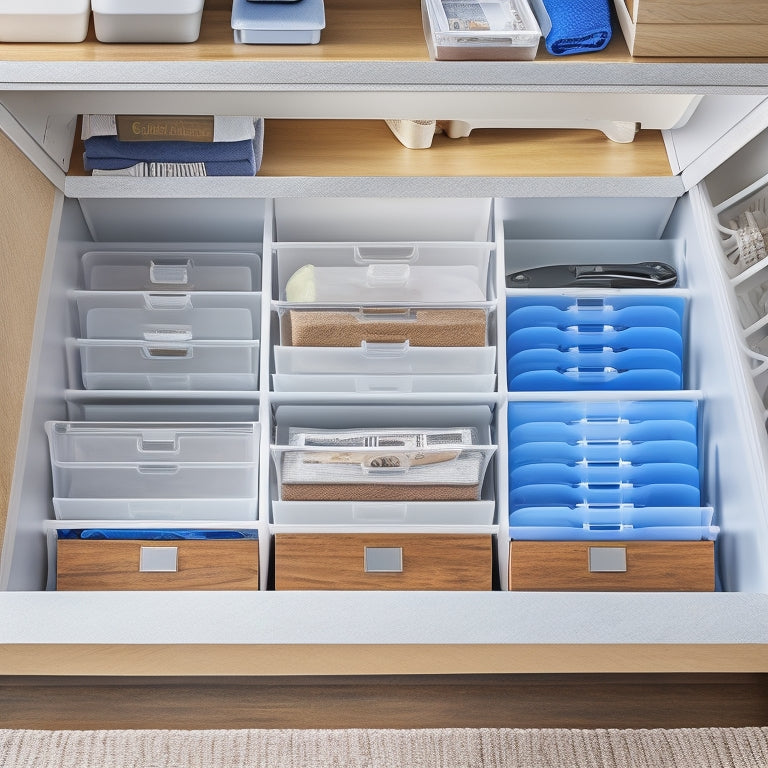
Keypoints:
(430, 748)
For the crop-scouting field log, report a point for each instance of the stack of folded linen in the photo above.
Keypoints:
(231, 146)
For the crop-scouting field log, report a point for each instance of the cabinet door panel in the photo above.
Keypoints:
(26, 203)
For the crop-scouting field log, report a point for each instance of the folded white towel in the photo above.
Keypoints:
(156, 169)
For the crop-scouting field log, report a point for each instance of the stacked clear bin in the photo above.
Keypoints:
(383, 384)
(163, 439)
(384, 318)
(601, 445)
(351, 466)
(160, 321)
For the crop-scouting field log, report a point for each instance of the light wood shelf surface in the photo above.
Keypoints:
(363, 148)
(385, 41)
(367, 148)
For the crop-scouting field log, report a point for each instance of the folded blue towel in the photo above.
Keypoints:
(578, 26)
(223, 158)
(154, 534)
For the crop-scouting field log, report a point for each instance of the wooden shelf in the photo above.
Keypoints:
(368, 148)
(344, 157)
(386, 40)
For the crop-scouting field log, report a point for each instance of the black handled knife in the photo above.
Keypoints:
(645, 274)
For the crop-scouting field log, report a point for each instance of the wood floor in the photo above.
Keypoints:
(494, 701)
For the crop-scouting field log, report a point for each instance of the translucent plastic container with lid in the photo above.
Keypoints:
(174, 461)
(487, 29)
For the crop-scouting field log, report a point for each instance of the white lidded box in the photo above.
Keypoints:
(147, 21)
(44, 21)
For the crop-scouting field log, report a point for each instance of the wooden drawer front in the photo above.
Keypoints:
(338, 561)
(666, 566)
(107, 564)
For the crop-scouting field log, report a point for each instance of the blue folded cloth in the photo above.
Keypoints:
(223, 158)
(578, 26)
(154, 534)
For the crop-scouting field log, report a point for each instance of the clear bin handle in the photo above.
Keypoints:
(163, 441)
(383, 254)
(168, 334)
(387, 314)
(167, 300)
(384, 349)
(157, 469)
(388, 274)
(383, 384)
(164, 352)
(171, 273)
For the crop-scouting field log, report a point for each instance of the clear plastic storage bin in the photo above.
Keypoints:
(382, 464)
(153, 461)
(168, 316)
(383, 384)
(393, 358)
(418, 513)
(491, 29)
(401, 273)
(173, 270)
(156, 365)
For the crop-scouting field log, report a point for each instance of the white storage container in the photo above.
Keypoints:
(167, 316)
(395, 359)
(307, 325)
(360, 273)
(430, 455)
(147, 21)
(155, 509)
(521, 255)
(382, 513)
(194, 365)
(151, 461)
(383, 383)
(492, 29)
(44, 21)
(144, 268)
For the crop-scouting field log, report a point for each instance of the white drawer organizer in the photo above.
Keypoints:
(525, 220)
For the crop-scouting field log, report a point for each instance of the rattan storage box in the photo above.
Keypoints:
(701, 28)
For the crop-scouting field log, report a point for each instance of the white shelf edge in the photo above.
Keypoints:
(374, 186)
(383, 618)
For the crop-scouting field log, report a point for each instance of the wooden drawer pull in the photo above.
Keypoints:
(607, 560)
(159, 560)
(383, 559)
